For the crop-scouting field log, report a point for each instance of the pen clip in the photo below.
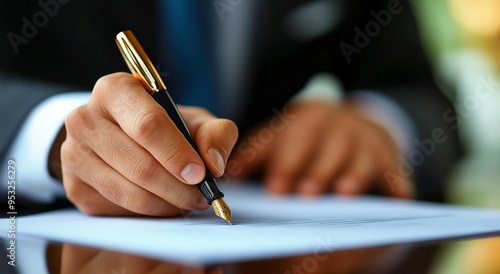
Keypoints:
(138, 62)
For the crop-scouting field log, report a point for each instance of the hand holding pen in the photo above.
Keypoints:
(142, 68)
(123, 155)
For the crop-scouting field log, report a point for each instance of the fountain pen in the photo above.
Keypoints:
(142, 68)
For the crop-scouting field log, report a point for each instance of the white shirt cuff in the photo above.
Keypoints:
(322, 86)
(32, 145)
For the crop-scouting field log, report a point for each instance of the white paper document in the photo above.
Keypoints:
(265, 227)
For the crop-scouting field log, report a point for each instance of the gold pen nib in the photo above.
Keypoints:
(222, 210)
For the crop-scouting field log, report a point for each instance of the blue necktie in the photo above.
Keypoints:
(187, 49)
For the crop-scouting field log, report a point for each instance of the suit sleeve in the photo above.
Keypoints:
(17, 98)
(30, 135)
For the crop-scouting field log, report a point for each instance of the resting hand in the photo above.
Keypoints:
(124, 156)
(323, 147)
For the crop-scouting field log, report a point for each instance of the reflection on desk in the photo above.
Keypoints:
(73, 259)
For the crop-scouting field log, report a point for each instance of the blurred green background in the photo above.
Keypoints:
(440, 33)
(462, 38)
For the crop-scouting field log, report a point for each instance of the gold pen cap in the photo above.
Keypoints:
(138, 62)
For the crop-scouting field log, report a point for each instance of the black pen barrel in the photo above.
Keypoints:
(208, 186)
(164, 99)
(210, 189)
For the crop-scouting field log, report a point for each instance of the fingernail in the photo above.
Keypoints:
(202, 204)
(193, 173)
(406, 190)
(309, 188)
(347, 186)
(217, 160)
(276, 186)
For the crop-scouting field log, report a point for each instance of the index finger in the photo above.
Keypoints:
(124, 100)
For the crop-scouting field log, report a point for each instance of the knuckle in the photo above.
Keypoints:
(83, 195)
(175, 154)
(220, 131)
(173, 157)
(109, 86)
(110, 81)
(70, 158)
(77, 121)
(229, 128)
(143, 171)
(104, 82)
(146, 129)
(183, 201)
(78, 195)
(179, 195)
(147, 124)
(89, 207)
(102, 86)
(71, 190)
(141, 203)
(85, 198)
(111, 191)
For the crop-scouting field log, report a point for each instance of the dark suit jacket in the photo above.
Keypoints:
(76, 47)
